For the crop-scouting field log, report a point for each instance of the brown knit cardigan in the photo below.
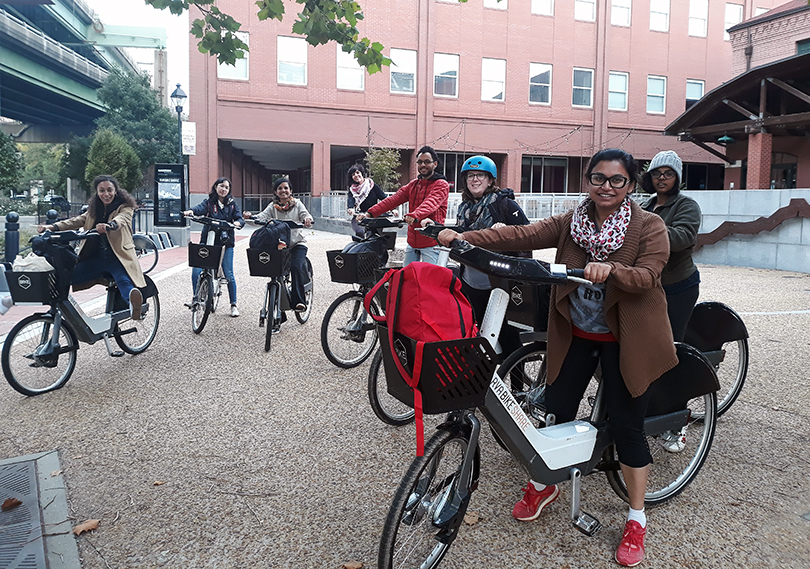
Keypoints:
(635, 303)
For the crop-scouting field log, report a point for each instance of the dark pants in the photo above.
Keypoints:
(103, 265)
(679, 310)
(625, 413)
(298, 272)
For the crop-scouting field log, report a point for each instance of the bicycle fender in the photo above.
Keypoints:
(694, 376)
(712, 324)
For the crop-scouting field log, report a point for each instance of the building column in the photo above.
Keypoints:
(321, 168)
(512, 168)
(759, 161)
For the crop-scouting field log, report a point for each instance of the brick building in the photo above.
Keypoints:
(538, 85)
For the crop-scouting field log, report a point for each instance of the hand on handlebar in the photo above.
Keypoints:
(597, 272)
(43, 228)
(409, 219)
(308, 222)
(447, 236)
(361, 216)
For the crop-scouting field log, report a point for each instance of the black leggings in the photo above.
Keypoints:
(679, 310)
(625, 413)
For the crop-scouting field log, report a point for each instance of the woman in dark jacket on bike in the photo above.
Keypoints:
(220, 205)
(363, 193)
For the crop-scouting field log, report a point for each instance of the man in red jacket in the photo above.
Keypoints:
(427, 199)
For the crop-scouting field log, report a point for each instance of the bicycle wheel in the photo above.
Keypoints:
(388, 408)
(28, 369)
(271, 302)
(671, 472)
(202, 303)
(146, 251)
(410, 537)
(732, 369)
(216, 293)
(525, 372)
(302, 317)
(348, 333)
(134, 336)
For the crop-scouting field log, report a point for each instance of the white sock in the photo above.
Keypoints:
(638, 516)
(537, 485)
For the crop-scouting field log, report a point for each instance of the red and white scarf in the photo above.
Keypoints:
(600, 244)
(361, 191)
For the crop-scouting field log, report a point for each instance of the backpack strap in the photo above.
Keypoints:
(370, 294)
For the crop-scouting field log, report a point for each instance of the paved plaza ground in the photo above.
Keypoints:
(205, 451)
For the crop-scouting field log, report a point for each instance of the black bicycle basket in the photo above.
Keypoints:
(268, 263)
(455, 374)
(352, 268)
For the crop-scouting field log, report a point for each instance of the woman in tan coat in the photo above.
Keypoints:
(112, 252)
(619, 322)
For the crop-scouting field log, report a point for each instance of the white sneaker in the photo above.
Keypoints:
(674, 441)
(234, 311)
(135, 304)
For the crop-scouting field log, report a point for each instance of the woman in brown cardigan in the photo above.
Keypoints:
(620, 321)
(112, 252)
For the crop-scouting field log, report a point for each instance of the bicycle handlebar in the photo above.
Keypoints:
(381, 222)
(292, 224)
(211, 222)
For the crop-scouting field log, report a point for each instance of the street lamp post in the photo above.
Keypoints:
(178, 98)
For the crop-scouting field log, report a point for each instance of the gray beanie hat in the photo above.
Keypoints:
(668, 158)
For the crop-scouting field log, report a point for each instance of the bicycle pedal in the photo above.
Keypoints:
(117, 354)
(587, 524)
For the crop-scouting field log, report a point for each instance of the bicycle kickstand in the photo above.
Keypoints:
(583, 521)
(114, 354)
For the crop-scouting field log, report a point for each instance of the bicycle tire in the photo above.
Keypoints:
(146, 251)
(419, 497)
(35, 375)
(670, 473)
(302, 317)
(216, 294)
(387, 408)
(137, 341)
(202, 303)
(731, 373)
(271, 301)
(347, 340)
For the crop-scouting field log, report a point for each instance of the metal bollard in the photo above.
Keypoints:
(12, 236)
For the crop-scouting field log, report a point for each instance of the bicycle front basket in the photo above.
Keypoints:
(32, 287)
(455, 374)
(352, 267)
(205, 256)
(268, 263)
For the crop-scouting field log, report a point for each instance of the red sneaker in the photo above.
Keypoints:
(631, 550)
(534, 501)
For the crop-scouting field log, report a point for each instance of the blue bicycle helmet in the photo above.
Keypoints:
(481, 164)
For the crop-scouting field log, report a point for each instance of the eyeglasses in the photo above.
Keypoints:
(421, 162)
(666, 174)
(474, 175)
(616, 182)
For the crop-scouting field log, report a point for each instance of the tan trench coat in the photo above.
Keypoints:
(120, 241)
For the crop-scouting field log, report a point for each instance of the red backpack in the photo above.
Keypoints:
(424, 303)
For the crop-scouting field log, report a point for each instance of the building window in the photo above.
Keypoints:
(543, 7)
(734, 15)
(403, 70)
(620, 12)
(617, 91)
(493, 79)
(760, 11)
(694, 89)
(542, 174)
(496, 4)
(585, 10)
(540, 83)
(698, 18)
(292, 60)
(583, 87)
(349, 73)
(450, 164)
(802, 47)
(240, 70)
(659, 15)
(445, 75)
(656, 94)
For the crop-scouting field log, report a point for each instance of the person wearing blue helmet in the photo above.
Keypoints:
(485, 205)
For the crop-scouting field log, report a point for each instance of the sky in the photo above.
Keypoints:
(137, 13)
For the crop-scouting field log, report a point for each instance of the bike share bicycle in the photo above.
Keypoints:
(432, 498)
(348, 335)
(208, 257)
(276, 266)
(39, 353)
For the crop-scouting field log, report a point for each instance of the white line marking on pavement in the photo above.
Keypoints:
(774, 313)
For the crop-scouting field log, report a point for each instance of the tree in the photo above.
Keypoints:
(134, 111)
(319, 21)
(382, 166)
(43, 162)
(111, 155)
(74, 162)
(10, 164)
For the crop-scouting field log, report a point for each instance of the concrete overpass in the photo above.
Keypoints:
(54, 55)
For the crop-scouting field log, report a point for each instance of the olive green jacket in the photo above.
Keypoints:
(682, 217)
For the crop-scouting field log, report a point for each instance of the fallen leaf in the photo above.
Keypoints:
(10, 504)
(56, 473)
(79, 456)
(471, 518)
(158, 483)
(353, 565)
(86, 526)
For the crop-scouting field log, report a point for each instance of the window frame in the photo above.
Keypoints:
(496, 5)
(700, 82)
(502, 81)
(435, 75)
(393, 67)
(546, 3)
(245, 37)
(574, 87)
(693, 17)
(279, 61)
(728, 23)
(355, 68)
(625, 93)
(550, 79)
(628, 8)
(667, 14)
(662, 96)
(579, 5)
